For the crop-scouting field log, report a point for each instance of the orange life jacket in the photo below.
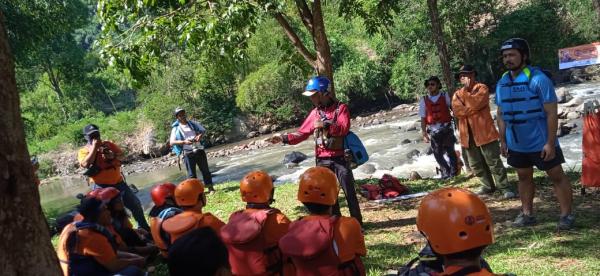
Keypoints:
(437, 112)
(249, 253)
(311, 245)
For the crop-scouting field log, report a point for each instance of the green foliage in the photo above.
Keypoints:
(272, 91)
(359, 77)
(582, 18)
(207, 96)
(409, 71)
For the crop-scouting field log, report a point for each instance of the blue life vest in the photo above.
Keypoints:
(523, 112)
(178, 149)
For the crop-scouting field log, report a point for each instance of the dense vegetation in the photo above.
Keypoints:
(67, 79)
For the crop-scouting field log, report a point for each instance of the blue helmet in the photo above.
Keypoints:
(318, 84)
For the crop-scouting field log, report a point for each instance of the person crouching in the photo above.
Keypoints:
(322, 243)
(252, 235)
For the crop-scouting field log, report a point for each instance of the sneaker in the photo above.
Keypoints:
(509, 195)
(485, 191)
(566, 222)
(523, 220)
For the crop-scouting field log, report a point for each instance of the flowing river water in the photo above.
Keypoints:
(383, 142)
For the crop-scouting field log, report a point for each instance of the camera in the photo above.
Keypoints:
(196, 146)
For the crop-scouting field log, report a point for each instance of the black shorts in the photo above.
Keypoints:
(522, 160)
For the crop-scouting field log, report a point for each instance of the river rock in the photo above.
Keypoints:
(294, 157)
(375, 122)
(264, 129)
(572, 115)
(563, 95)
(274, 128)
(253, 134)
(574, 102)
(291, 165)
(367, 168)
(405, 141)
(429, 151)
(412, 153)
(414, 176)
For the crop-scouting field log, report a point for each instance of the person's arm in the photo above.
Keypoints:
(502, 131)
(173, 138)
(200, 131)
(423, 114)
(305, 130)
(117, 264)
(87, 159)
(480, 99)
(545, 89)
(458, 106)
(341, 126)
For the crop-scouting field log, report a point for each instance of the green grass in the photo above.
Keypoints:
(392, 238)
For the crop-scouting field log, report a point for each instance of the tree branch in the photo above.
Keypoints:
(308, 56)
(305, 14)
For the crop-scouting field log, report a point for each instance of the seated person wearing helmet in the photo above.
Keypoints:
(87, 248)
(322, 243)
(200, 252)
(252, 235)
(120, 227)
(163, 196)
(190, 197)
(464, 235)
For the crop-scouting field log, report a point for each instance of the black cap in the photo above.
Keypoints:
(89, 129)
(465, 69)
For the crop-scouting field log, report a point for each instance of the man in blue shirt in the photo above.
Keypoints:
(527, 121)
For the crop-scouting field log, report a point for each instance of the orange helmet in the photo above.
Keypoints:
(188, 191)
(256, 187)
(318, 185)
(160, 193)
(454, 220)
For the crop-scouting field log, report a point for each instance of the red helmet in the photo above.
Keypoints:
(161, 192)
(104, 194)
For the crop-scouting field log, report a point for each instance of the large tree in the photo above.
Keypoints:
(41, 34)
(137, 32)
(25, 244)
(440, 43)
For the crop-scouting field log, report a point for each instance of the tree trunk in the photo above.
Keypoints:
(438, 37)
(324, 66)
(25, 244)
(55, 82)
(313, 21)
(597, 9)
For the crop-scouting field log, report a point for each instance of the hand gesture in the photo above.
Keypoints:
(548, 152)
(318, 124)
(275, 139)
(426, 138)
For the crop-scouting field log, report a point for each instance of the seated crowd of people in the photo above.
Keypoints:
(260, 239)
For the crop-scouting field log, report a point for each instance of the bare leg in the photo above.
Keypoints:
(562, 189)
(526, 190)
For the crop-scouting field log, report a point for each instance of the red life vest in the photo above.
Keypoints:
(249, 253)
(437, 112)
(311, 245)
(591, 150)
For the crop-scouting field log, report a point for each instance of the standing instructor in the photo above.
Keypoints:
(329, 122)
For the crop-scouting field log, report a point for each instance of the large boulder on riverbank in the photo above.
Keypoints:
(294, 157)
